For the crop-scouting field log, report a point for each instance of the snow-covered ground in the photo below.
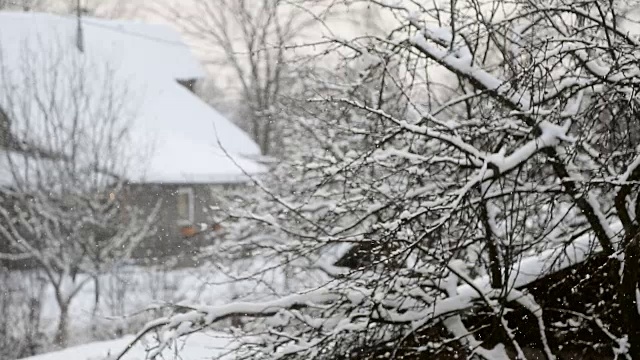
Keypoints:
(195, 347)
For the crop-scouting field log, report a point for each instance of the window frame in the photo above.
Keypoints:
(188, 191)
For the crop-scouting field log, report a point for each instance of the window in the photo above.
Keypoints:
(185, 206)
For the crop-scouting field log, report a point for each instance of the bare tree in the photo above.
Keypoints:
(61, 210)
(25, 5)
(104, 9)
(21, 332)
(255, 39)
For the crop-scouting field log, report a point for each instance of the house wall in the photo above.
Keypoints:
(168, 239)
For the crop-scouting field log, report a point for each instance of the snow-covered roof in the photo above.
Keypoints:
(176, 135)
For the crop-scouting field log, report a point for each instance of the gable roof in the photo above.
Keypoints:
(176, 135)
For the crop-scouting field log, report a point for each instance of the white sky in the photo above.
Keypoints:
(151, 11)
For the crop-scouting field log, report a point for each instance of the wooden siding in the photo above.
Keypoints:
(169, 239)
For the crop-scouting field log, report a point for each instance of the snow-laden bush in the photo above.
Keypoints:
(452, 165)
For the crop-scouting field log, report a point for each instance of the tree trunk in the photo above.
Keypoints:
(61, 337)
(96, 305)
(628, 299)
(495, 271)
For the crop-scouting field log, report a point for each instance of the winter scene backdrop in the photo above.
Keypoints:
(319, 179)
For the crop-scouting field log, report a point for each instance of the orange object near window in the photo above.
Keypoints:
(193, 230)
(188, 231)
